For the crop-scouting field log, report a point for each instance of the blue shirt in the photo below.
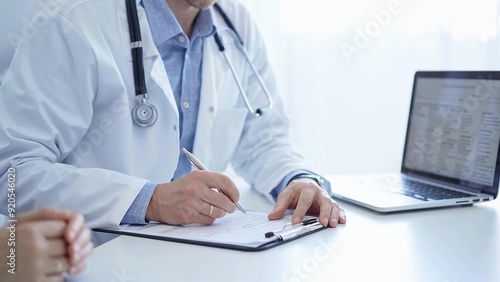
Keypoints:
(183, 58)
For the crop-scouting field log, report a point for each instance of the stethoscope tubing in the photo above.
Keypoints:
(144, 113)
(136, 47)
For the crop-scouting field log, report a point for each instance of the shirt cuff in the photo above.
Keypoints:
(136, 214)
(284, 183)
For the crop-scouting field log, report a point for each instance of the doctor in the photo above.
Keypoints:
(69, 119)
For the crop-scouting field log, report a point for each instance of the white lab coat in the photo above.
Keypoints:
(66, 124)
(13, 15)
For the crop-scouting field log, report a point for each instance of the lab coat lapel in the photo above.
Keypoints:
(213, 74)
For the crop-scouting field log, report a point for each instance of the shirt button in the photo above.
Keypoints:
(211, 109)
(175, 127)
(182, 39)
(185, 104)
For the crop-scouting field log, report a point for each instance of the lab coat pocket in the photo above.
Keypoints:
(225, 136)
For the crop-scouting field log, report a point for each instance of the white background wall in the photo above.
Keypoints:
(349, 110)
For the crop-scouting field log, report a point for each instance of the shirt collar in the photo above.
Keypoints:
(204, 23)
(160, 16)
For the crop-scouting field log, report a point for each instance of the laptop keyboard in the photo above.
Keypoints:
(421, 191)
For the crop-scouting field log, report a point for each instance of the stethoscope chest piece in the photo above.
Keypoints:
(144, 114)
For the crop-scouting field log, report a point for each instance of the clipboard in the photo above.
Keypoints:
(237, 231)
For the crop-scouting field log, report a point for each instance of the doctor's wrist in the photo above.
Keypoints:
(152, 211)
(316, 178)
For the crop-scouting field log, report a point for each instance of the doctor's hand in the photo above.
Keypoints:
(190, 199)
(305, 196)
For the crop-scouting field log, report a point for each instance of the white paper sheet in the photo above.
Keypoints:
(234, 229)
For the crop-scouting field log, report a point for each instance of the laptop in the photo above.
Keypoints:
(451, 152)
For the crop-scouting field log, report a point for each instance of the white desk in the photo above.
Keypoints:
(446, 245)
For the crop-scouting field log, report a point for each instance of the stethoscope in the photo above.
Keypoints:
(144, 113)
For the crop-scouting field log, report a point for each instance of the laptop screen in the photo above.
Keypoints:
(454, 129)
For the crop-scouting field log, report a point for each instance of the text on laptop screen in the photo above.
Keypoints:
(454, 128)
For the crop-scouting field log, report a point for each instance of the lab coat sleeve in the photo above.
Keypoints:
(265, 155)
(46, 108)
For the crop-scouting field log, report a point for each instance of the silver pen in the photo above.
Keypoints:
(196, 163)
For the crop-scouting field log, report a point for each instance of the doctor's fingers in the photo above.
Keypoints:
(200, 212)
(304, 203)
(337, 216)
(219, 181)
(219, 200)
(284, 201)
(328, 213)
(211, 210)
